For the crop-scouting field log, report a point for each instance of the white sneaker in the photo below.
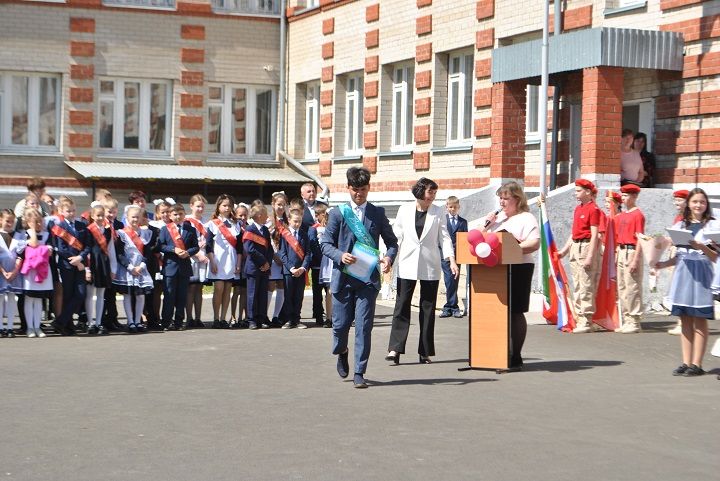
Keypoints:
(675, 331)
(300, 325)
(620, 329)
(582, 330)
(31, 334)
(40, 334)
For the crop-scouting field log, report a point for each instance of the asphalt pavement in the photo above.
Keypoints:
(269, 405)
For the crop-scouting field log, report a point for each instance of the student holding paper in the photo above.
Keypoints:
(690, 292)
(357, 222)
(420, 227)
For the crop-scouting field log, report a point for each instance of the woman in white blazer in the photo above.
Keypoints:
(422, 235)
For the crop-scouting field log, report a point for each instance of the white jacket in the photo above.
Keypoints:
(419, 259)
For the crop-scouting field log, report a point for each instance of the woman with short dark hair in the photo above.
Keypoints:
(420, 227)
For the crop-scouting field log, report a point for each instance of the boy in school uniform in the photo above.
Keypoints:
(296, 255)
(629, 260)
(256, 244)
(585, 256)
(69, 240)
(455, 224)
(178, 242)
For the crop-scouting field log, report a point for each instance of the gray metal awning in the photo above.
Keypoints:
(595, 47)
(113, 170)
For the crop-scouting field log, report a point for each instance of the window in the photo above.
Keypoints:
(141, 3)
(134, 116)
(312, 121)
(29, 111)
(354, 114)
(241, 120)
(532, 106)
(253, 7)
(402, 107)
(459, 111)
(313, 3)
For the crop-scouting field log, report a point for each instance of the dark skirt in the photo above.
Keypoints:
(38, 294)
(132, 290)
(520, 285)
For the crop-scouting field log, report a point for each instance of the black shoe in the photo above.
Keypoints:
(59, 328)
(113, 326)
(140, 328)
(359, 381)
(680, 370)
(171, 327)
(92, 330)
(343, 367)
(693, 371)
(424, 360)
(319, 323)
(216, 324)
(3, 333)
(102, 331)
(288, 325)
(265, 325)
(328, 324)
(132, 329)
(252, 325)
(10, 333)
(81, 326)
(445, 313)
(225, 325)
(198, 324)
(180, 327)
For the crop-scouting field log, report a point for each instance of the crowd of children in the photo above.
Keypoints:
(57, 264)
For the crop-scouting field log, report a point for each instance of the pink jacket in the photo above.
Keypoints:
(37, 258)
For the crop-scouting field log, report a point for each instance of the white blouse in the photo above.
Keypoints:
(522, 226)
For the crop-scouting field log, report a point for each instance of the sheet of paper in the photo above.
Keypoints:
(679, 236)
(367, 259)
(713, 236)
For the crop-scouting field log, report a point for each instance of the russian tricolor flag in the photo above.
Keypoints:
(556, 306)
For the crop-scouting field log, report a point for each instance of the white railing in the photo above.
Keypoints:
(249, 7)
(141, 3)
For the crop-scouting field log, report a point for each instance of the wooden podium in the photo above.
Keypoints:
(489, 299)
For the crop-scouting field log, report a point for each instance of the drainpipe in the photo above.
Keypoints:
(557, 92)
(303, 170)
(283, 87)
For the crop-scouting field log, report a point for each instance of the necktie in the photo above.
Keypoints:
(358, 213)
(453, 222)
(295, 234)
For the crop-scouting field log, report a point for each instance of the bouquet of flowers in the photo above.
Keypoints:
(653, 246)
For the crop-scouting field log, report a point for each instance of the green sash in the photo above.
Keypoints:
(358, 228)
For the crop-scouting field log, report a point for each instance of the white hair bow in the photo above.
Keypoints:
(282, 192)
(241, 204)
(167, 200)
(95, 203)
(323, 200)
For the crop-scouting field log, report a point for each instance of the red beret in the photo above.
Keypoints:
(682, 194)
(630, 189)
(586, 184)
(615, 196)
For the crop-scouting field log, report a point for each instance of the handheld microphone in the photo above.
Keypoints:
(487, 222)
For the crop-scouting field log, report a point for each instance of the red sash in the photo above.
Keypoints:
(135, 239)
(258, 239)
(66, 236)
(198, 226)
(99, 237)
(232, 240)
(293, 243)
(175, 234)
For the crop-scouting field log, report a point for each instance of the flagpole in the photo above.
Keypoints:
(543, 110)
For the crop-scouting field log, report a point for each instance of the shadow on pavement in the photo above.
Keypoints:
(569, 365)
(444, 381)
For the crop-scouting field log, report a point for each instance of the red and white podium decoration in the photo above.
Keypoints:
(484, 246)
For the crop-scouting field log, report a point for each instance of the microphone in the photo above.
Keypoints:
(487, 222)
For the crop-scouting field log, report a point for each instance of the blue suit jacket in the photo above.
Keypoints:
(314, 248)
(172, 264)
(339, 239)
(256, 254)
(78, 230)
(288, 256)
(461, 226)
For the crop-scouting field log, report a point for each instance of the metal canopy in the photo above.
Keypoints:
(112, 170)
(603, 46)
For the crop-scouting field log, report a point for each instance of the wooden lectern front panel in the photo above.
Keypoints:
(489, 322)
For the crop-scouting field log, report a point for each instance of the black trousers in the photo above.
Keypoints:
(110, 315)
(74, 288)
(294, 293)
(401, 316)
(175, 289)
(318, 310)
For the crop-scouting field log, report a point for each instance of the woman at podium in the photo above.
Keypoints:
(420, 228)
(514, 217)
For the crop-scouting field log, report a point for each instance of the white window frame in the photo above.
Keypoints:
(354, 96)
(532, 114)
(312, 121)
(404, 87)
(463, 78)
(226, 125)
(313, 3)
(33, 106)
(118, 99)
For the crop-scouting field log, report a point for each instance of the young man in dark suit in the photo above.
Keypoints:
(357, 222)
(256, 243)
(178, 243)
(455, 224)
(296, 256)
(69, 239)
